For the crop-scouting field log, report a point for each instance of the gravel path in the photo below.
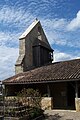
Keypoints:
(62, 115)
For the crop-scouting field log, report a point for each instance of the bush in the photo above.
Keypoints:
(30, 97)
(27, 102)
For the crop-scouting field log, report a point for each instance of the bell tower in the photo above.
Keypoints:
(34, 49)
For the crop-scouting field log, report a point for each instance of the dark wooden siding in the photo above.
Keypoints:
(41, 56)
(36, 56)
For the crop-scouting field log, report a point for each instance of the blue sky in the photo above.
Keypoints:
(60, 20)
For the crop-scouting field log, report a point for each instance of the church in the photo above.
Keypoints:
(59, 81)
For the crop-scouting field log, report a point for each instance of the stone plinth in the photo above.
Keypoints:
(77, 104)
(46, 103)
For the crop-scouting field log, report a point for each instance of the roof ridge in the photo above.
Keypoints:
(66, 60)
(29, 28)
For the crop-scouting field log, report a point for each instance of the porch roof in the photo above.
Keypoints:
(55, 72)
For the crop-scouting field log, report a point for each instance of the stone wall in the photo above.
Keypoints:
(46, 103)
(77, 104)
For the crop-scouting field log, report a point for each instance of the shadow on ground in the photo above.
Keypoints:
(53, 117)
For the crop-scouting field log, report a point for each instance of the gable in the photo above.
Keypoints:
(34, 35)
(39, 32)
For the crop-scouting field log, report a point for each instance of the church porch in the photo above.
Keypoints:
(63, 95)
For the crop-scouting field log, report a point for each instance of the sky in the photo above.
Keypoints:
(60, 20)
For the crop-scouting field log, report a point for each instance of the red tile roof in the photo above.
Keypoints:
(56, 72)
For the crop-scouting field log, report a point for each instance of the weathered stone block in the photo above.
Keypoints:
(46, 103)
(77, 104)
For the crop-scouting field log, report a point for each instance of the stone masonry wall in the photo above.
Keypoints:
(46, 102)
(77, 104)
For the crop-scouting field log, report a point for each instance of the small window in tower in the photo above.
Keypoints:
(39, 33)
(39, 29)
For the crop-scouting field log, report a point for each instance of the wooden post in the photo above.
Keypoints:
(76, 95)
(76, 90)
(39, 57)
(48, 90)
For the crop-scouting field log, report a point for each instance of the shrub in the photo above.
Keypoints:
(30, 97)
(27, 102)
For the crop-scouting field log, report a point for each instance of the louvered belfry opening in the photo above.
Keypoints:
(42, 54)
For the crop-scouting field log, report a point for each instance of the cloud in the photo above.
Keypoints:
(8, 58)
(62, 56)
(19, 20)
(75, 23)
(17, 11)
(9, 39)
(20, 13)
(55, 30)
(12, 22)
(57, 33)
(54, 23)
(14, 17)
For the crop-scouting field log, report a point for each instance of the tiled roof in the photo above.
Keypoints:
(58, 71)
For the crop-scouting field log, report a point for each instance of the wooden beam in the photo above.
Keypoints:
(48, 90)
(76, 90)
(39, 57)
